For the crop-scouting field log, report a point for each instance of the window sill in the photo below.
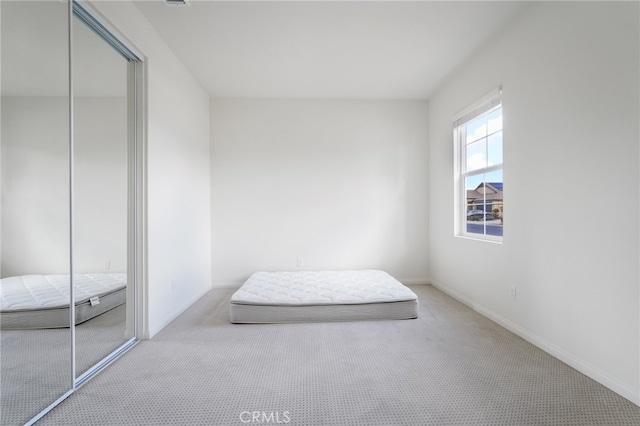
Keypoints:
(477, 238)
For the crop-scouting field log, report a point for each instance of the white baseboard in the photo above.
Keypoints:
(176, 312)
(413, 281)
(227, 284)
(237, 283)
(557, 352)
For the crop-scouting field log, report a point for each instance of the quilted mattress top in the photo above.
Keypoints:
(29, 292)
(321, 288)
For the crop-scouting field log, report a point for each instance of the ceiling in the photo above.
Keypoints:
(326, 49)
(35, 58)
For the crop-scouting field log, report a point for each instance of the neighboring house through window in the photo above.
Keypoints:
(479, 181)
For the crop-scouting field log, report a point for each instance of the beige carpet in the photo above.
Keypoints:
(450, 366)
(35, 365)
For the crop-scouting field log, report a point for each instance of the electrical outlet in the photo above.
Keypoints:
(173, 285)
(107, 264)
(299, 262)
(513, 292)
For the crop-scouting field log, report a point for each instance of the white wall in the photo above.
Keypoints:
(100, 184)
(36, 190)
(1, 272)
(178, 199)
(571, 238)
(35, 185)
(340, 184)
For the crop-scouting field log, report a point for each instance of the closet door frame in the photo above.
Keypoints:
(137, 323)
(136, 209)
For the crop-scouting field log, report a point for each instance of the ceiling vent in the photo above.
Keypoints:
(177, 2)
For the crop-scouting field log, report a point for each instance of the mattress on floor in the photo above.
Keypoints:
(318, 296)
(42, 301)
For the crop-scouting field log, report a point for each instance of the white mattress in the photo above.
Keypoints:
(304, 296)
(42, 301)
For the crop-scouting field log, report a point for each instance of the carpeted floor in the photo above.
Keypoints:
(450, 366)
(35, 365)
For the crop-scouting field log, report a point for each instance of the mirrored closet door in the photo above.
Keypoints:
(35, 338)
(71, 206)
(99, 195)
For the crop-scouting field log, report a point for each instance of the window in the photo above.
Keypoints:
(479, 181)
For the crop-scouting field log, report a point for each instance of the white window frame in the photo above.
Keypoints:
(485, 105)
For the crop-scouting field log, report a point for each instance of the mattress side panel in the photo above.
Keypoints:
(252, 314)
(29, 292)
